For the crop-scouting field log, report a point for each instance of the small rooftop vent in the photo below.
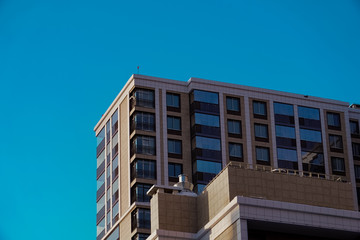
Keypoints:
(355, 105)
(185, 186)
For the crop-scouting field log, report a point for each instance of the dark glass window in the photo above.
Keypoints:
(310, 135)
(100, 142)
(138, 193)
(175, 170)
(207, 166)
(207, 120)
(309, 113)
(140, 236)
(115, 191)
(357, 171)
(143, 169)
(115, 235)
(283, 109)
(208, 143)
(100, 229)
(235, 150)
(287, 154)
(140, 218)
(338, 165)
(259, 108)
(174, 123)
(285, 132)
(114, 122)
(354, 127)
(233, 104)
(261, 130)
(313, 158)
(206, 97)
(100, 184)
(115, 212)
(234, 127)
(199, 188)
(262, 154)
(115, 168)
(173, 100)
(143, 145)
(108, 132)
(335, 141)
(333, 120)
(356, 149)
(143, 121)
(174, 146)
(145, 98)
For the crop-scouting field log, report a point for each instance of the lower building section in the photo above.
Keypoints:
(259, 219)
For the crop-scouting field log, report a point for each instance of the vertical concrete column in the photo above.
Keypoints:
(222, 129)
(158, 141)
(298, 141)
(242, 232)
(350, 157)
(273, 133)
(248, 132)
(165, 137)
(324, 142)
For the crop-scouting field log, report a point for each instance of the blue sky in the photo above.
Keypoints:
(63, 62)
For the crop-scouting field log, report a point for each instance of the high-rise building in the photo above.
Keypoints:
(264, 164)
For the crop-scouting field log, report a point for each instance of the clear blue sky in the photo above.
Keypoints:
(63, 62)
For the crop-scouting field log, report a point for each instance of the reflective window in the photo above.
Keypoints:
(114, 122)
(337, 164)
(287, 154)
(140, 218)
(283, 109)
(206, 97)
(284, 131)
(115, 210)
(173, 100)
(140, 236)
(144, 169)
(114, 235)
(356, 149)
(145, 98)
(108, 131)
(100, 142)
(235, 150)
(335, 141)
(262, 154)
(115, 146)
(208, 143)
(115, 167)
(100, 204)
(333, 119)
(143, 121)
(310, 135)
(100, 227)
(354, 127)
(233, 104)
(101, 181)
(259, 108)
(309, 113)
(174, 146)
(144, 145)
(174, 123)
(100, 159)
(138, 193)
(357, 171)
(207, 120)
(175, 169)
(234, 127)
(207, 166)
(108, 221)
(115, 191)
(313, 158)
(261, 130)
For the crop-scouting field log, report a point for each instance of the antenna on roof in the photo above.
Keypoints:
(138, 68)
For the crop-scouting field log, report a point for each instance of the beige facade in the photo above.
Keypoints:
(134, 140)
